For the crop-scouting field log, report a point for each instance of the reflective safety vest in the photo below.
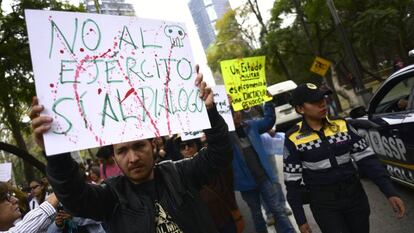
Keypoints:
(324, 157)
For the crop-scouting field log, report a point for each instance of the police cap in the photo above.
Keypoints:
(307, 93)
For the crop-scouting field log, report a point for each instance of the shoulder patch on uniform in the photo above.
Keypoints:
(292, 130)
(303, 135)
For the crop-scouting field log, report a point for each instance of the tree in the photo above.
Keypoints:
(230, 42)
(378, 31)
(23, 155)
(16, 77)
(237, 40)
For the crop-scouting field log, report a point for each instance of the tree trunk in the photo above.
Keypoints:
(256, 11)
(348, 95)
(402, 36)
(373, 57)
(281, 62)
(90, 153)
(18, 137)
(24, 155)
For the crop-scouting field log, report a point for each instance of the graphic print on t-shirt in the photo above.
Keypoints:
(163, 221)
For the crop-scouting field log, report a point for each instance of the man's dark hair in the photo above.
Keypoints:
(105, 152)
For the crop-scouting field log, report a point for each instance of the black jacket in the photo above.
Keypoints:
(124, 208)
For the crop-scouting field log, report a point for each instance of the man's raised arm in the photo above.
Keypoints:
(80, 198)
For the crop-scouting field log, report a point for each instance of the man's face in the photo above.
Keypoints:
(9, 211)
(136, 160)
(315, 110)
(188, 149)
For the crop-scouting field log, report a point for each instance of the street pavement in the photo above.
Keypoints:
(382, 218)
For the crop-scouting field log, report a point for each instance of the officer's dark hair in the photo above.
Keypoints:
(295, 107)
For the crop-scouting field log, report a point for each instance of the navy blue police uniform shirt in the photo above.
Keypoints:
(319, 158)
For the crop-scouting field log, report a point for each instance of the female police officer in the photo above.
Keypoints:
(318, 153)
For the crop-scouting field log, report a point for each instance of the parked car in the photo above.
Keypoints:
(286, 116)
(388, 124)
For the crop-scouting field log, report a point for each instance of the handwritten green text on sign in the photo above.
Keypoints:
(109, 79)
(245, 81)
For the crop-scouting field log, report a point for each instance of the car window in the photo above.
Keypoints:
(282, 98)
(397, 98)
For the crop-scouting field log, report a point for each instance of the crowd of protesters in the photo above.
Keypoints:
(171, 185)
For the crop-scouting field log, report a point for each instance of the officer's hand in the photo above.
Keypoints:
(206, 94)
(305, 228)
(40, 124)
(398, 206)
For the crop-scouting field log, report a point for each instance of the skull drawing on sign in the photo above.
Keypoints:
(176, 34)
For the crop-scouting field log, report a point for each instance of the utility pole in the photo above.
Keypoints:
(357, 74)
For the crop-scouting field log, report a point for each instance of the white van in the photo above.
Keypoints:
(286, 115)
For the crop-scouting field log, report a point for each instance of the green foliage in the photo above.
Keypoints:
(16, 77)
(379, 31)
(229, 44)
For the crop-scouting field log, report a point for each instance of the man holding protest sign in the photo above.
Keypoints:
(150, 197)
(253, 174)
(245, 81)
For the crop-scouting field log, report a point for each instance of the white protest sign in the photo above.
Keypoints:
(223, 107)
(5, 172)
(109, 79)
(185, 136)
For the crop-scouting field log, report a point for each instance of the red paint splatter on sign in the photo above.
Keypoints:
(167, 78)
(61, 51)
(81, 49)
(132, 90)
(99, 91)
(52, 85)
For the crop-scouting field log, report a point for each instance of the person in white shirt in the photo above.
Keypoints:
(38, 193)
(35, 221)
